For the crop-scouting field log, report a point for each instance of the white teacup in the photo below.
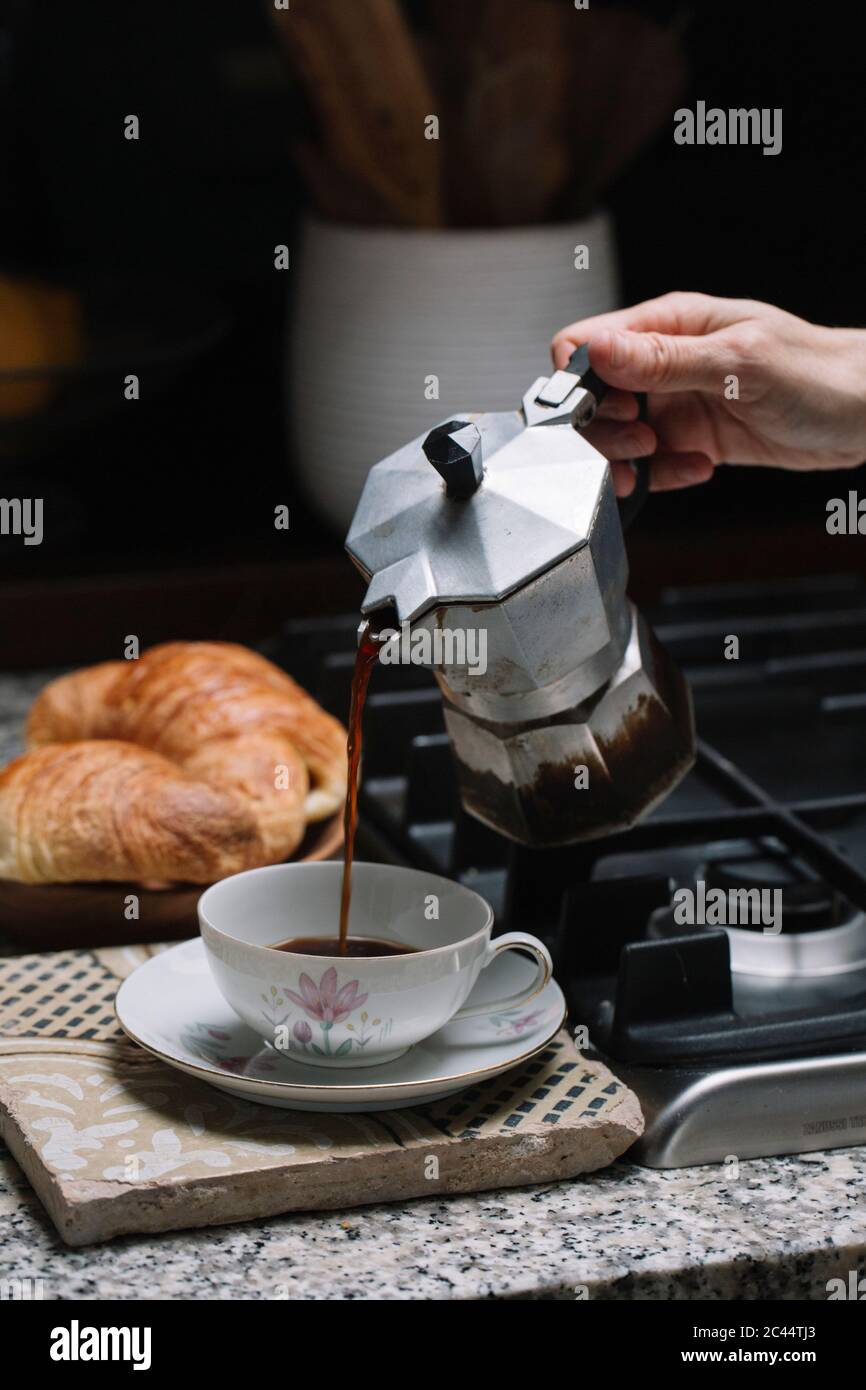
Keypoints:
(353, 1011)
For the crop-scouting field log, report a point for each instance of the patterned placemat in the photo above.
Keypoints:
(116, 1142)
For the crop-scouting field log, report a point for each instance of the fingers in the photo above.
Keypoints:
(617, 441)
(671, 471)
(618, 405)
(666, 345)
(668, 472)
(658, 361)
(624, 479)
(688, 423)
(678, 312)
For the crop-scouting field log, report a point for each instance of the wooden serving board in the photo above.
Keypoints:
(51, 916)
(115, 1142)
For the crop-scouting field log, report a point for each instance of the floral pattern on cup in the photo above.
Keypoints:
(328, 1004)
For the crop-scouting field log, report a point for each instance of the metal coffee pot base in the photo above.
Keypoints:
(591, 770)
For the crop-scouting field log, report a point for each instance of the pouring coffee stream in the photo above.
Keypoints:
(369, 644)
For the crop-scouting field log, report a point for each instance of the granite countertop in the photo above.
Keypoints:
(780, 1229)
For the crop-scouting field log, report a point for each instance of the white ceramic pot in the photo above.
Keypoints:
(353, 1011)
(377, 312)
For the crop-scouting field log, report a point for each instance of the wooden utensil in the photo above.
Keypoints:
(517, 108)
(637, 96)
(364, 79)
(336, 194)
(555, 101)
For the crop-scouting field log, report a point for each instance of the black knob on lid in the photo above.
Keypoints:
(455, 451)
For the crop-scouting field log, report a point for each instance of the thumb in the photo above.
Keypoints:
(657, 361)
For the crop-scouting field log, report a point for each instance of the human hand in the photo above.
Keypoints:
(727, 381)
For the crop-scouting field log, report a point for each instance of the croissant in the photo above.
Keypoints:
(194, 730)
(101, 809)
(179, 695)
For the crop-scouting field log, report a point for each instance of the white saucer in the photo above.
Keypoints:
(171, 1007)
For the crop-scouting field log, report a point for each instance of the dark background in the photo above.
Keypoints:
(185, 484)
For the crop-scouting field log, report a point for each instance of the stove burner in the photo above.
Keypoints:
(822, 932)
(808, 905)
